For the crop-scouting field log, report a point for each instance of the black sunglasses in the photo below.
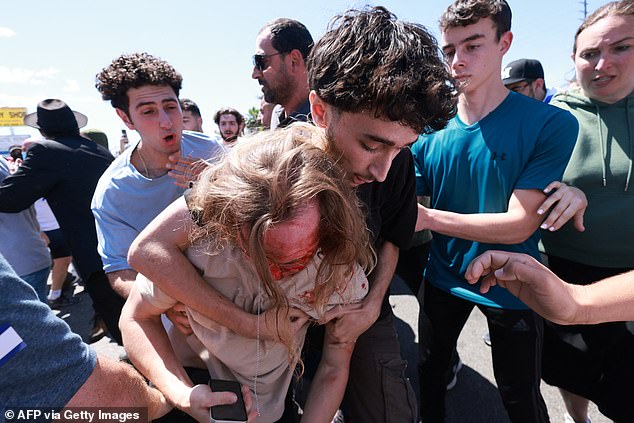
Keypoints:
(259, 60)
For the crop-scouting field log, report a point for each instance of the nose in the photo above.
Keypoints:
(165, 120)
(256, 73)
(381, 166)
(456, 61)
(602, 63)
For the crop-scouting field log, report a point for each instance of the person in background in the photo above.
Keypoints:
(279, 64)
(230, 124)
(64, 169)
(526, 76)
(97, 136)
(22, 245)
(264, 114)
(596, 362)
(192, 118)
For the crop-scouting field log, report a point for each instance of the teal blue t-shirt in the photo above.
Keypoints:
(522, 144)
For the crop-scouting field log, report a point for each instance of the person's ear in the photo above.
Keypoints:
(297, 60)
(125, 118)
(319, 110)
(505, 42)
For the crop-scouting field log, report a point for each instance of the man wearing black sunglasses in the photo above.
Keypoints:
(279, 65)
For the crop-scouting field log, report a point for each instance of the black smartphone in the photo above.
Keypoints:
(228, 413)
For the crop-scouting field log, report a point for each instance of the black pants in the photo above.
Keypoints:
(593, 361)
(106, 302)
(378, 389)
(516, 345)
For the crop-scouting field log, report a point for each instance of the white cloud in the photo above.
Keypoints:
(26, 76)
(71, 86)
(6, 32)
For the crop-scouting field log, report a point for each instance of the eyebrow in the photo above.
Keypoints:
(466, 40)
(150, 103)
(621, 40)
(386, 141)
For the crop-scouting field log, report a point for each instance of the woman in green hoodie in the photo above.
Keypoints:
(597, 362)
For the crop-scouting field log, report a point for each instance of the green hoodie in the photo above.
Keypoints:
(601, 166)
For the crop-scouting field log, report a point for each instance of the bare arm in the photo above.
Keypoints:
(351, 321)
(514, 226)
(149, 348)
(329, 385)
(122, 281)
(158, 253)
(117, 384)
(611, 299)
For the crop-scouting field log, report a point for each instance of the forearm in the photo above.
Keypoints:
(608, 300)
(174, 274)
(511, 227)
(122, 281)
(329, 385)
(149, 349)
(381, 276)
(118, 384)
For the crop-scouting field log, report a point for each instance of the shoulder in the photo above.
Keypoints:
(201, 145)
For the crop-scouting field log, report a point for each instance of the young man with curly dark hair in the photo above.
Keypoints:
(230, 124)
(376, 83)
(144, 90)
(499, 153)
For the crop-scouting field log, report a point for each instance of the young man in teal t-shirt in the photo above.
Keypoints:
(485, 173)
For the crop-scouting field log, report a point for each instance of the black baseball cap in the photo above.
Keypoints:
(521, 70)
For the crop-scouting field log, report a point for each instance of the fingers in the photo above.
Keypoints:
(553, 185)
(248, 403)
(549, 201)
(571, 204)
(558, 217)
(492, 260)
(221, 398)
(339, 311)
(179, 319)
(578, 220)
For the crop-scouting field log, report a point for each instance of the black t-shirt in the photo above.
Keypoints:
(391, 208)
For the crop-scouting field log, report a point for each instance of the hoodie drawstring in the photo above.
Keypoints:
(602, 143)
(630, 141)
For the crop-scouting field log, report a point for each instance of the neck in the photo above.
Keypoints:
(299, 97)
(474, 105)
(148, 164)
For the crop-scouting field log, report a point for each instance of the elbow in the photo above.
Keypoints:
(135, 255)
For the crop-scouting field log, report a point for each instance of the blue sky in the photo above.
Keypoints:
(54, 49)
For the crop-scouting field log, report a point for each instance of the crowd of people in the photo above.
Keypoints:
(266, 259)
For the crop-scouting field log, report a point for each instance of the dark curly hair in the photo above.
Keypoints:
(228, 111)
(468, 12)
(133, 71)
(368, 61)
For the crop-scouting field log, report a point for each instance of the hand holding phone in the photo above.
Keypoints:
(228, 413)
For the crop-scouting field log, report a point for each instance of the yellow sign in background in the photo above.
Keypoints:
(12, 116)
